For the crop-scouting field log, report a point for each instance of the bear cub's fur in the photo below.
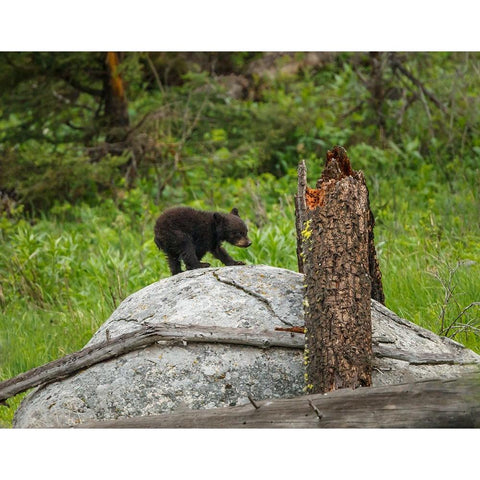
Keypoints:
(185, 234)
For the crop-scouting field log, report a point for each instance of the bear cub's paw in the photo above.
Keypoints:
(238, 262)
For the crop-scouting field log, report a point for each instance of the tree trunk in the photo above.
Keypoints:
(341, 272)
(116, 106)
(117, 119)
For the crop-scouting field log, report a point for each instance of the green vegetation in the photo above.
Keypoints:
(78, 202)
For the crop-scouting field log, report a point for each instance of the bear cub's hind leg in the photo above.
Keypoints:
(189, 256)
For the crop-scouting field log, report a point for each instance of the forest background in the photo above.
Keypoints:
(93, 146)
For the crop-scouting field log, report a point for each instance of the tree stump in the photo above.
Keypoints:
(336, 253)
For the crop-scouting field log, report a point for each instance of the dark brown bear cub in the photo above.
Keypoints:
(185, 234)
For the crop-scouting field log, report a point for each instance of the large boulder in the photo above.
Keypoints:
(162, 378)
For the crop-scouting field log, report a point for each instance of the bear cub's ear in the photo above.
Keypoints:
(235, 212)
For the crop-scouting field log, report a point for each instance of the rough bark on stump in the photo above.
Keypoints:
(341, 275)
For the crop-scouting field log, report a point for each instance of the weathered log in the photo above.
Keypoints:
(452, 403)
(142, 337)
(183, 334)
(340, 268)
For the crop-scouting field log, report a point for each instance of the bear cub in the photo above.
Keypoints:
(185, 234)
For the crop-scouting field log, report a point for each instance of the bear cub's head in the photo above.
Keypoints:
(231, 228)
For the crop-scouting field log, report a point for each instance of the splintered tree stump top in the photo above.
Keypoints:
(338, 258)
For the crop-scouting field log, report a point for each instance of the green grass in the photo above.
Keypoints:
(64, 273)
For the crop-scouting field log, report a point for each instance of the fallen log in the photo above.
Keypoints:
(452, 403)
(169, 334)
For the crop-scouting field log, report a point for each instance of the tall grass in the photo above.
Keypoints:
(63, 274)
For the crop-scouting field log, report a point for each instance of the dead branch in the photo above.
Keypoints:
(460, 327)
(397, 65)
(300, 211)
(155, 73)
(146, 335)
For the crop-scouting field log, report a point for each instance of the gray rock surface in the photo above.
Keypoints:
(161, 378)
